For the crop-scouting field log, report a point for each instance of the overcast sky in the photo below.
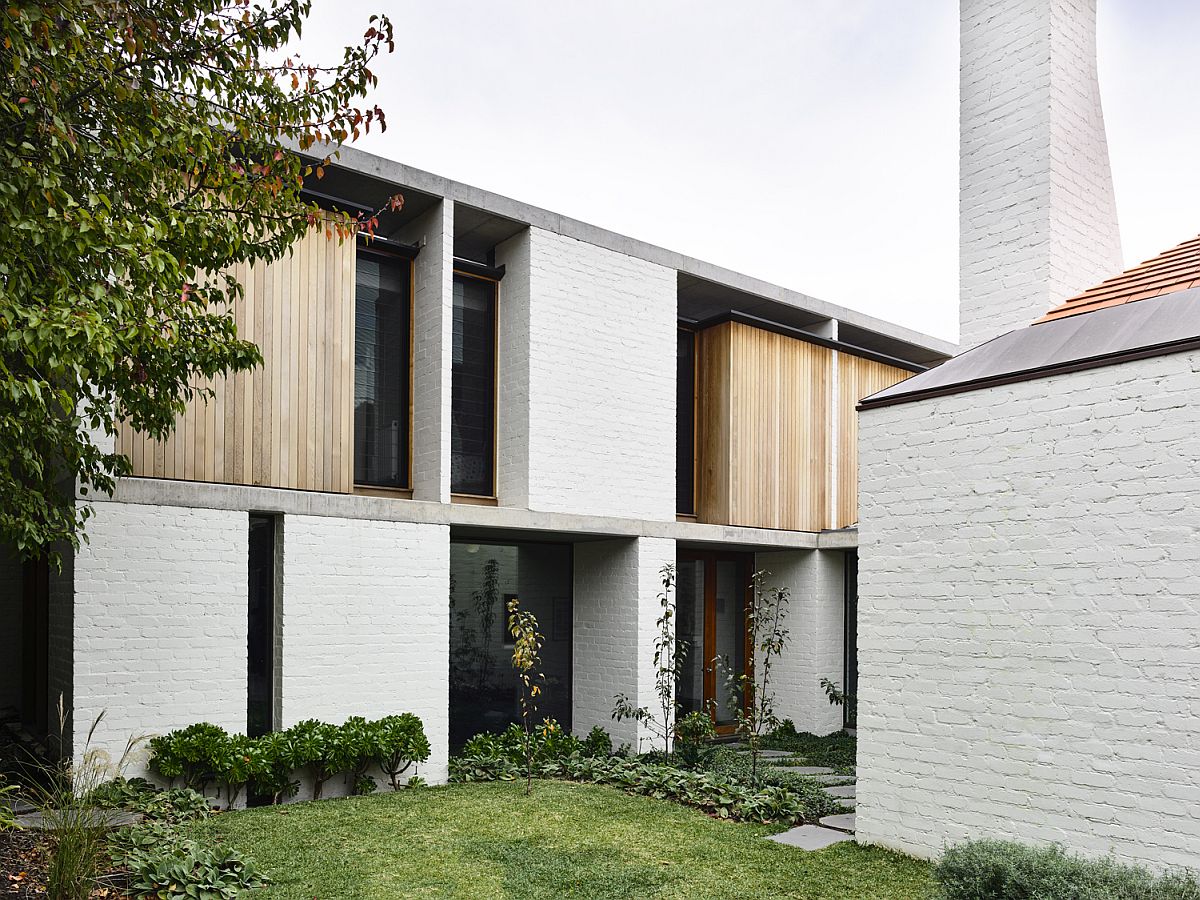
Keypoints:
(811, 143)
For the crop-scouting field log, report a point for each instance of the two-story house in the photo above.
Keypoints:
(489, 400)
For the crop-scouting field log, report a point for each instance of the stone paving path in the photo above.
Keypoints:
(831, 829)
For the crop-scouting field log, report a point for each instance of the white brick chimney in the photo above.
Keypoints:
(1037, 214)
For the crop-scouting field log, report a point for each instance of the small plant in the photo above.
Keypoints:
(597, 742)
(669, 655)
(138, 795)
(161, 863)
(527, 660)
(8, 818)
(416, 782)
(837, 697)
(693, 733)
(750, 693)
(363, 785)
(400, 742)
(190, 754)
(314, 746)
(271, 768)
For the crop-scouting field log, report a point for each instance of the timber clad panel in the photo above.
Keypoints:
(773, 434)
(857, 378)
(764, 424)
(287, 423)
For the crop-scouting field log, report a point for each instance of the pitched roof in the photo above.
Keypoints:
(1175, 270)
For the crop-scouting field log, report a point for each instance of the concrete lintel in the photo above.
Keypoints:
(842, 539)
(498, 518)
(402, 175)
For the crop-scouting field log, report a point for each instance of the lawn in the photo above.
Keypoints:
(567, 840)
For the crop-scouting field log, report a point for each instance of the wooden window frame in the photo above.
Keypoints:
(367, 489)
(492, 498)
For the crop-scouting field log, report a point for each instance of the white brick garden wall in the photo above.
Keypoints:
(601, 395)
(365, 625)
(159, 626)
(615, 610)
(1030, 612)
(1037, 211)
(815, 621)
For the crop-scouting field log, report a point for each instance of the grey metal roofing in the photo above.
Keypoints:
(1150, 327)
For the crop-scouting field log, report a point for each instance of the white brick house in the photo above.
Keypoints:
(490, 400)
(1030, 666)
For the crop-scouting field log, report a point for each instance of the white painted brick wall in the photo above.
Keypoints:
(616, 606)
(601, 381)
(433, 315)
(1037, 212)
(159, 622)
(816, 645)
(512, 472)
(366, 624)
(1029, 660)
(11, 602)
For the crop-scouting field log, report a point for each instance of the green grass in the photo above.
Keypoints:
(567, 840)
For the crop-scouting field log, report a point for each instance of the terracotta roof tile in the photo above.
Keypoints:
(1176, 269)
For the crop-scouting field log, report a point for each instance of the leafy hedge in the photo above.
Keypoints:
(1005, 870)
(497, 757)
(204, 754)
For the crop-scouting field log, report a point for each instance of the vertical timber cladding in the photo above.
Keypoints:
(767, 409)
(857, 378)
(764, 429)
(289, 423)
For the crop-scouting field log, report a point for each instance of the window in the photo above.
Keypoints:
(382, 350)
(483, 578)
(260, 630)
(685, 435)
(473, 387)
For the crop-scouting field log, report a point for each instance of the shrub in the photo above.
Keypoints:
(190, 754)
(161, 863)
(692, 734)
(315, 746)
(399, 742)
(1005, 870)
(597, 743)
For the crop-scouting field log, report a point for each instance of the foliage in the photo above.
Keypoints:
(750, 693)
(597, 743)
(527, 661)
(171, 805)
(837, 697)
(8, 819)
(737, 766)
(669, 656)
(838, 750)
(399, 741)
(161, 862)
(488, 756)
(693, 733)
(1005, 870)
(565, 840)
(62, 795)
(145, 150)
(203, 754)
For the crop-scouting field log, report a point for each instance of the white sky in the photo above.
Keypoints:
(811, 143)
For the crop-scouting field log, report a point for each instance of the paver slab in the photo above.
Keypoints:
(810, 837)
(806, 770)
(841, 790)
(843, 822)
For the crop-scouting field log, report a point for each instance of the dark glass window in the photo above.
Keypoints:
(484, 695)
(260, 631)
(685, 436)
(381, 368)
(473, 388)
(850, 709)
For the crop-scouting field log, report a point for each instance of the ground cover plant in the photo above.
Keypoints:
(1005, 870)
(837, 751)
(565, 840)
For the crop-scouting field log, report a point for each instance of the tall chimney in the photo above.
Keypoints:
(1037, 213)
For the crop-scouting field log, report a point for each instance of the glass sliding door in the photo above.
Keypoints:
(710, 630)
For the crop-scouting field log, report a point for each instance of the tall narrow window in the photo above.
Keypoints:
(381, 368)
(260, 630)
(685, 423)
(473, 389)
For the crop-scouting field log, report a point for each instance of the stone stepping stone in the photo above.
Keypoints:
(109, 818)
(843, 822)
(810, 837)
(848, 801)
(769, 754)
(808, 770)
(842, 790)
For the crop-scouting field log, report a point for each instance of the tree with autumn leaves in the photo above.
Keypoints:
(145, 149)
